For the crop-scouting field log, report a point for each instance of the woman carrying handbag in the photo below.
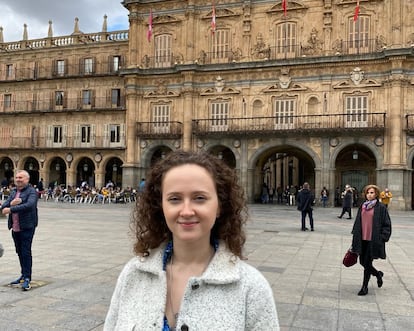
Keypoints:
(371, 230)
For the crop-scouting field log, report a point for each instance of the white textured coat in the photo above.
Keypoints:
(230, 296)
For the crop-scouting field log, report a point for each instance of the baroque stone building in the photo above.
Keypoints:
(314, 94)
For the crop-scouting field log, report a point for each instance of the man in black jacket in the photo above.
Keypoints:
(305, 201)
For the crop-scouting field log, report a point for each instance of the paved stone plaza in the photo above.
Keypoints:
(79, 250)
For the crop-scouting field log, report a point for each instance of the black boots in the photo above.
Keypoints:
(379, 278)
(363, 290)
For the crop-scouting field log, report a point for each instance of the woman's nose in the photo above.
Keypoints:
(187, 208)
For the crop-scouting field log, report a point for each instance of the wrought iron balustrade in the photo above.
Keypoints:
(159, 129)
(298, 124)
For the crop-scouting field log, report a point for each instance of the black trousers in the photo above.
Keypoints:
(365, 259)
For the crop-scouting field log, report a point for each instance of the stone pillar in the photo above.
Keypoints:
(71, 176)
(134, 31)
(100, 177)
(187, 107)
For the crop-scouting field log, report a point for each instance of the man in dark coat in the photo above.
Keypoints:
(347, 196)
(305, 201)
(21, 206)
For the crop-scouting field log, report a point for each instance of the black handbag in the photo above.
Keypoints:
(350, 258)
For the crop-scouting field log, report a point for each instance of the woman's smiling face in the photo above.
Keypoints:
(190, 203)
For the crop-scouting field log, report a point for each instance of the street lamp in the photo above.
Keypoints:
(58, 166)
(85, 167)
(6, 166)
(355, 155)
(115, 167)
(30, 166)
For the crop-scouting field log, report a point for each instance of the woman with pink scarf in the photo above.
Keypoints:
(371, 230)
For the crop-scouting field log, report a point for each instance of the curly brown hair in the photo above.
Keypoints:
(148, 222)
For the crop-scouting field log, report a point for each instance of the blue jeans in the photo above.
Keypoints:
(304, 213)
(23, 243)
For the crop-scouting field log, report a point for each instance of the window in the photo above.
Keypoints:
(161, 118)
(57, 134)
(115, 133)
(286, 43)
(88, 66)
(163, 51)
(9, 71)
(359, 35)
(356, 108)
(60, 67)
(7, 101)
(219, 115)
(116, 97)
(59, 98)
(86, 97)
(284, 111)
(116, 63)
(221, 45)
(85, 134)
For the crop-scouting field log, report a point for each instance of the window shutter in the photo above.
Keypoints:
(93, 135)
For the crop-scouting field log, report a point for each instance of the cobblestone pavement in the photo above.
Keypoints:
(79, 250)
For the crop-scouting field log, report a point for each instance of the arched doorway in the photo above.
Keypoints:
(85, 172)
(57, 172)
(113, 171)
(282, 167)
(225, 154)
(159, 153)
(6, 168)
(32, 167)
(356, 166)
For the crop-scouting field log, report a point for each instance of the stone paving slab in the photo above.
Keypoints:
(79, 251)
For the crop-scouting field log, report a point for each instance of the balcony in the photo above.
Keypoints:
(159, 130)
(69, 104)
(311, 125)
(67, 142)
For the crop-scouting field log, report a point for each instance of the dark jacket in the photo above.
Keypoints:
(381, 231)
(347, 200)
(27, 210)
(305, 199)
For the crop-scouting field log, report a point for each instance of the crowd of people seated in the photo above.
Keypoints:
(90, 194)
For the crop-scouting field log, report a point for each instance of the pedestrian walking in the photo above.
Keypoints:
(347, 202)
(189, 272)
(371, 230)
(324, 196)
(305, 201)
(386, 197)
(21, 206)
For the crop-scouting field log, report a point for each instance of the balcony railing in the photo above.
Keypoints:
(64, 142)
(69, 104)
(338, 124)
(152, 130)
(70, 70)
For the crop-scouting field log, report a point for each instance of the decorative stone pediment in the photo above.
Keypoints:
(161, 19)
(161, 91)
(291, 6)
(222, 12)
(219, 88)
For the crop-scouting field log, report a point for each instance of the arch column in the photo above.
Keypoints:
(71, 176)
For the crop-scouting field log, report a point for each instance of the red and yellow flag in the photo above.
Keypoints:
(284, 7)
(356, 11)
(213, 20)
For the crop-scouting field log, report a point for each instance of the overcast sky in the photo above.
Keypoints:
(37, 13)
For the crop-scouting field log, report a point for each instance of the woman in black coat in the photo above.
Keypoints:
(371, 230)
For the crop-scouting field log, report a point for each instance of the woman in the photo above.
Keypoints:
(372, 229)
(189, 273)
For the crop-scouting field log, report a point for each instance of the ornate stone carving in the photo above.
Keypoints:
(357, 75)
(284, 79)
(261, 50)
(314, 45)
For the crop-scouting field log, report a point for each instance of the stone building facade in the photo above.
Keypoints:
(312, 94)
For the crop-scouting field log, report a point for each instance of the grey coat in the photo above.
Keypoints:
(381, 231)
(230, 296)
